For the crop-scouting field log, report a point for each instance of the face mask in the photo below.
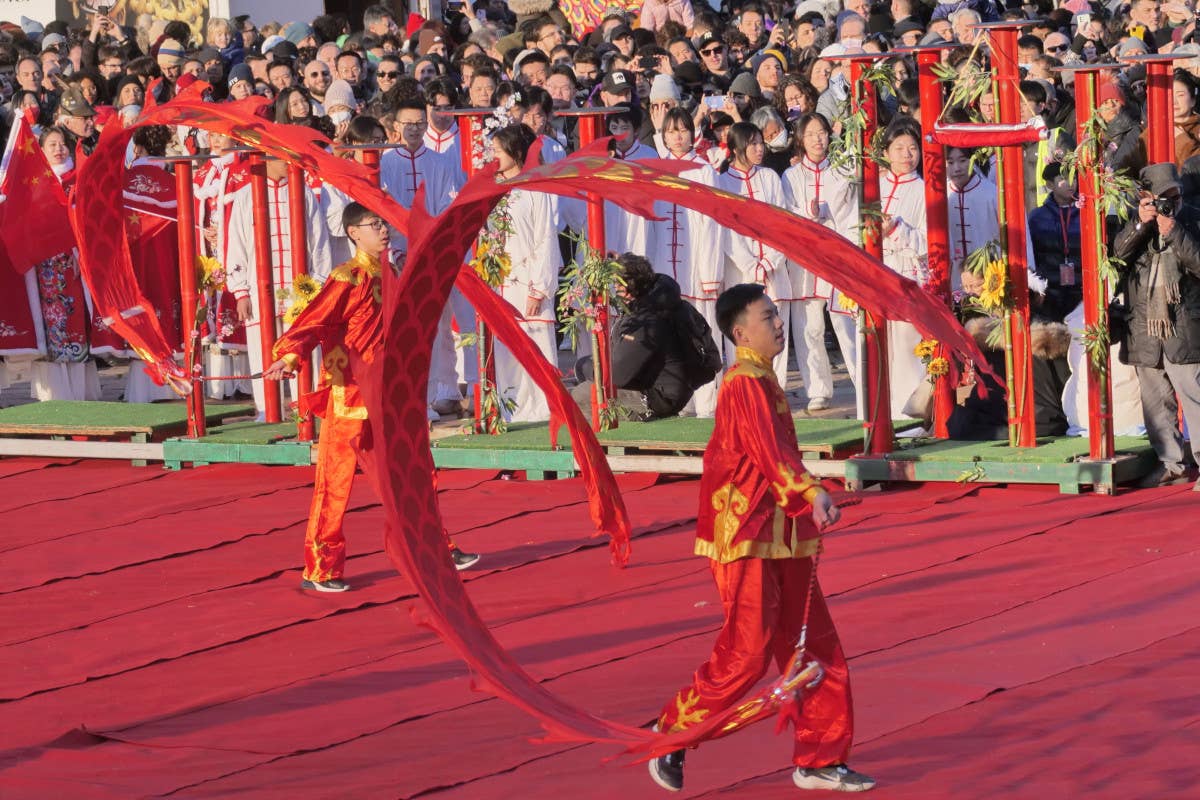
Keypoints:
(338, 117)
(778, 141)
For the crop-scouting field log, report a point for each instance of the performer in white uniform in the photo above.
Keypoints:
(905, 249)
(687, 244)
(625, 232)
(217, 182)
(532, 284)
(826, 195)
(401, 172)
(972, 210)
(242, 266)
(748, 260)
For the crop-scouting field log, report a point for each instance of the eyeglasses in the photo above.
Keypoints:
(390, 74)
(377, 224)
(713, 51)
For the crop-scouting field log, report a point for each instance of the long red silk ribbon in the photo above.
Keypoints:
(413, 303)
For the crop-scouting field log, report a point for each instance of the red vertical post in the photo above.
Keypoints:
(602, 395)
(298, 237)
(263, 267)
(937, 218)
(1160, 111)
(470, 127)
(1022, 423)
(1095, 295)
(189, 295)
(880, 437)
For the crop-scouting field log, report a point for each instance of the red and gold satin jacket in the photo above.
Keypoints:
(755, 492)
(346, 315)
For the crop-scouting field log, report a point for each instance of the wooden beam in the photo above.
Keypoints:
(55, 448)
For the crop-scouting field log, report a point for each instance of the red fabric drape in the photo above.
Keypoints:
(395, 392)
(33, 217)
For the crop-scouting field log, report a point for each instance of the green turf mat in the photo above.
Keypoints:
(1049, 450)
(691, 431)
(61, 414)
(250, 433)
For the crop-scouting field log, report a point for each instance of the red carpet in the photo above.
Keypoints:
(1005, 641)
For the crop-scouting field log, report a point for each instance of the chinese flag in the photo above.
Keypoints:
(33, 217)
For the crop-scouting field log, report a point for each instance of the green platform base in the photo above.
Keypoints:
(240, 443)
(651, 446)
(1062, 461)
(97, 419)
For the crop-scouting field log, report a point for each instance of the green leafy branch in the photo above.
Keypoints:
(1096, 343)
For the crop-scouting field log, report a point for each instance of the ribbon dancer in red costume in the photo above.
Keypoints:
(345, 317)
(756, 502)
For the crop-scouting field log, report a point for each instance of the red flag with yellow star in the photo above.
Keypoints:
(33, 217)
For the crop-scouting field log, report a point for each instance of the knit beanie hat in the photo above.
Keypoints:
(339, 93)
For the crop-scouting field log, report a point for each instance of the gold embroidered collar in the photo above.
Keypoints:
(754, 357)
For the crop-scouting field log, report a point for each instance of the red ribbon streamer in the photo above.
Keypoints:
(413, 303)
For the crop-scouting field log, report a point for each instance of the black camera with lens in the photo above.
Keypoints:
(1165, 206)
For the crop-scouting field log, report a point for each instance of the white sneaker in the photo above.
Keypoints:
(835, 778)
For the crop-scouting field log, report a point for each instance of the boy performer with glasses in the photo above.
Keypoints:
(346, 317)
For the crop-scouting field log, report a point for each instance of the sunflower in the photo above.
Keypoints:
(293, 311)
(847, 303)
(925, 348)
(938, 367)
(305, 286)
(211, 275)
(995, 286)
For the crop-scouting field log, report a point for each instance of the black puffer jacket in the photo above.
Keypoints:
(648, 352)
(1136, 245)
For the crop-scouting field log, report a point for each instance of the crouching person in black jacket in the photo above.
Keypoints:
(662, 348)
(1161, 280)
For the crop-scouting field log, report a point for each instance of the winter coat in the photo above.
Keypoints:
(648, 353)
(1135, 246)
(1124, 131)
(1046, 234)
(986, 418)
(1187, 142)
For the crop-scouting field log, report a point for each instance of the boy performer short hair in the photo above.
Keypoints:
(345, 317)
(760, 519)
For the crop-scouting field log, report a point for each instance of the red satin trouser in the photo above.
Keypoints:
(764, 610)
(343, 445)
(339, 450)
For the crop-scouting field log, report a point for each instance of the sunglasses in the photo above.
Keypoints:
(319, 75)
(389, 74)
(713, 51)
(1059, 48)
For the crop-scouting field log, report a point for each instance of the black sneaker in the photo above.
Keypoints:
(462, 560)
(834, 778)
(331, 585)
(667, 771)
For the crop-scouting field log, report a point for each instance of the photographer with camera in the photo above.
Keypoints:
(1161, 281)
